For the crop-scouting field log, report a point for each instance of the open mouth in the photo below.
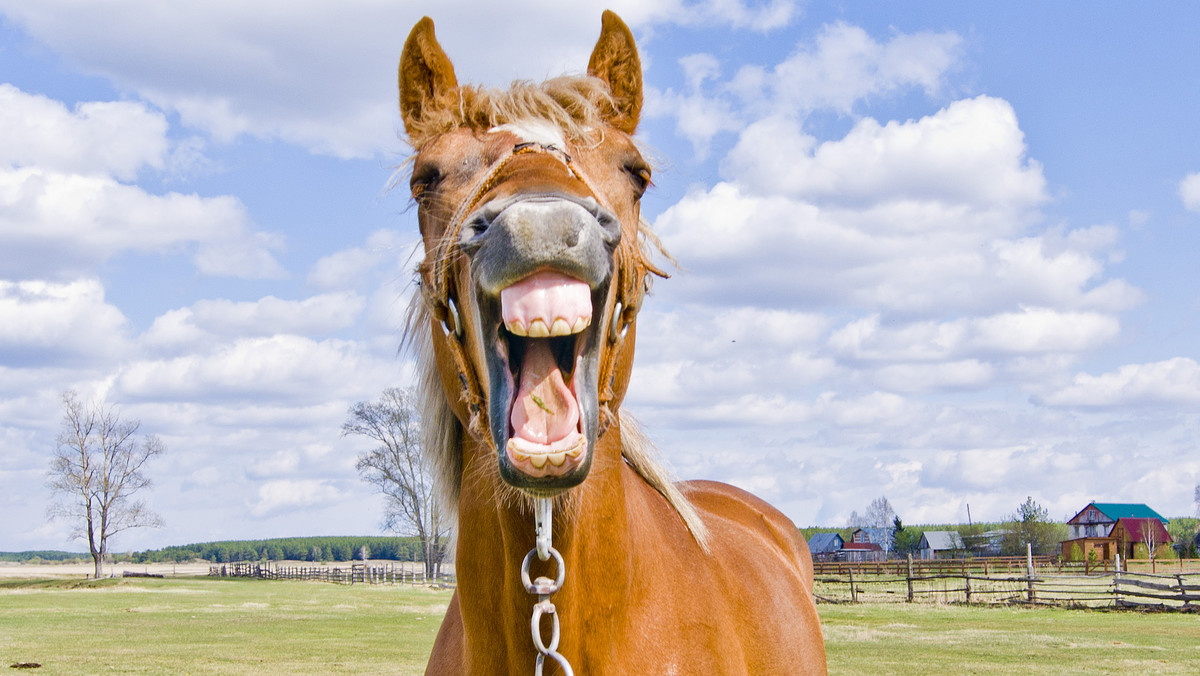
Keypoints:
(545, 318)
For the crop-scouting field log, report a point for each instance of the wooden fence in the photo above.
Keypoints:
(1044, 585)
(360, 573)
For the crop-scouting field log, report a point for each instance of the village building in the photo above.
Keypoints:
(825, 546)
(941, 544)
(1109, 529)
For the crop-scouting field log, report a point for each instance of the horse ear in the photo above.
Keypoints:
(615, 60)
(426, 74)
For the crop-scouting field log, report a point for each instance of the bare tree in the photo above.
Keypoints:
(1149, 534)
(882, 517)
(396, 470)
(95, 471)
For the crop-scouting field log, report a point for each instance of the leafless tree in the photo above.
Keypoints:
(96, 470)
(396, 470)
(1149, 535)
(881, 516)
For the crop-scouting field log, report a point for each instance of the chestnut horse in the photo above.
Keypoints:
(536, 263)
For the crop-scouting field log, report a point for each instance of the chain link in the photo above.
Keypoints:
(544, 587)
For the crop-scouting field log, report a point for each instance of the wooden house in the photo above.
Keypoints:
(941, 544)
(1094, 529)
(825, 546)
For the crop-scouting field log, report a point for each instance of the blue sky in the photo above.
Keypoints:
(943, 253)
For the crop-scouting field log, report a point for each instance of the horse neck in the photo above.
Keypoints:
(591, 529)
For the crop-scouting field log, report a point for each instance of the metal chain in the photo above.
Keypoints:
(544, 587)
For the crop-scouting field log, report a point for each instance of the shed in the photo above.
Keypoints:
(824, 546)
(941, 544)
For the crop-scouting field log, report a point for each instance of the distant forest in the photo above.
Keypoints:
(316, 549)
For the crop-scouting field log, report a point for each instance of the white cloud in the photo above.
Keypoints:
(1171, 382)
(1189, 192)
(100, 137)
(233, 68)
(208, 320)
(67, 222)
(290, 494)
(283, 368)
(51, 323)
(846, 65)
(972, 152)
(350, 268)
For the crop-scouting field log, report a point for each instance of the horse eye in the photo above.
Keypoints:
(639, 172)
(424, 179)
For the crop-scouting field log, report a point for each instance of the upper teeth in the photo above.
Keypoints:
(538, 328)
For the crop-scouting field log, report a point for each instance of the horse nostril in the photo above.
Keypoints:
(472, 230)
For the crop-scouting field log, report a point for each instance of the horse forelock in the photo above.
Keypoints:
(576, 105)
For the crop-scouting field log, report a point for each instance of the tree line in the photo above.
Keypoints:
(315, 549)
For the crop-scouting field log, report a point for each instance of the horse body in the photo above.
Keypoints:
(640, 595)
(535, 267)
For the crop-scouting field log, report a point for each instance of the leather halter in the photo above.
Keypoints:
(437, 290)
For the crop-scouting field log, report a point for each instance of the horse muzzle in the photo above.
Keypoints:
(541, 267)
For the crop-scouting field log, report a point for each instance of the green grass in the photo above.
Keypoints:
(212, 626)
(930, 639)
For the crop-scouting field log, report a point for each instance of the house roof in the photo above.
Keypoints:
(863, 546)
(1136, 530)
(1122, 510)
(825, 542)
(941, 540)
(876, 535)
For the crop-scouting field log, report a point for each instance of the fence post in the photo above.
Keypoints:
(1117, 581)
(967, 586)
(1029, 568)
(910, 578)
(853, 592)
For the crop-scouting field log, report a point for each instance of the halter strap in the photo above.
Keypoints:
(629, 275)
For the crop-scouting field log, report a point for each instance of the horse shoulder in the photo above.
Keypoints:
(448, 649)
(765, 573)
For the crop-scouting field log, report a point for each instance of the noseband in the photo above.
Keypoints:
(437, 290)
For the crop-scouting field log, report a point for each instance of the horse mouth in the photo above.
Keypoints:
(543, 400)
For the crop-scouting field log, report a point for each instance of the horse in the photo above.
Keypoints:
(536, 263)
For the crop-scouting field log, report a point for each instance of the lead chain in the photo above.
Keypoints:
(544, 587)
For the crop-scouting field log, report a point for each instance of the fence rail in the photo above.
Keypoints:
(358, 573)
(1166, 590)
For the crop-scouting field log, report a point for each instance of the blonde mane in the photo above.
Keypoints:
(576, 104)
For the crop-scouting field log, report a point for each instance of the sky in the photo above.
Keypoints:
(941, 252)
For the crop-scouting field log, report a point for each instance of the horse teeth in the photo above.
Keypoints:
(558, 459)
(538, 329)
(581, 324)
(538, 460)
(560, 328)
(574, 452)
(517, 328)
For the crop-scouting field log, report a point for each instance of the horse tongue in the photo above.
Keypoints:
(545, 410)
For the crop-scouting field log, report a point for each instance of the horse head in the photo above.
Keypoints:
(535, 262)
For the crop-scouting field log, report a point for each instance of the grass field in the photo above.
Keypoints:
(213, 626)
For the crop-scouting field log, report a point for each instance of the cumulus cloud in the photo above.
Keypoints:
(64, 208)
(1189, 192)
(68, 223)
(231, 68)
(350, 268)
(291, 494)
(1171, 382)
(845, 65)
(208, 320)
(99, 137)
(47, 323)
(281, 368)
(971, 152)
